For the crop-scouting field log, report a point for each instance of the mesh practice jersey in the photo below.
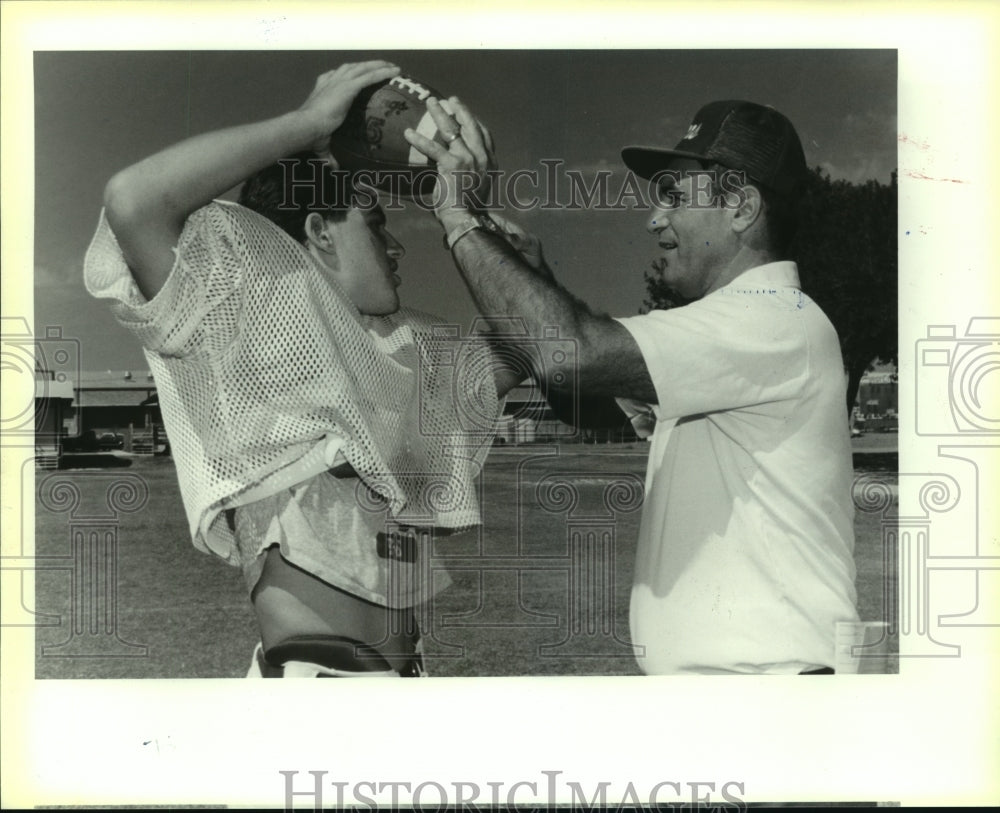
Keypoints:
(267, 375)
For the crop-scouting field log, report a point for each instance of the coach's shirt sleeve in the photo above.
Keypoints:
(738, 348)
(188, 317)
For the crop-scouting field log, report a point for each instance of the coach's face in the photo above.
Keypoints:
(365, 259)
(693, 230)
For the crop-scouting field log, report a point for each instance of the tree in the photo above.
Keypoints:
(846, 251)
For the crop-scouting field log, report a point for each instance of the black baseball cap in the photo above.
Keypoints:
(746, 136)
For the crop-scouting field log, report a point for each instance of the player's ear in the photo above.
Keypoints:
(747, 207)
(318, 233)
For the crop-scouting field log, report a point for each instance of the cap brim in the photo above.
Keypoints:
(647, 161)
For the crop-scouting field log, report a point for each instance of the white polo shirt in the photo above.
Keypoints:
(745, 554)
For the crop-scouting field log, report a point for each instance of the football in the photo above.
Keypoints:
(371, 138)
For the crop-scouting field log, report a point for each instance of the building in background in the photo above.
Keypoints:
(527, 418)
(53, 411)
(876, 409)
(120, 410)
(116, 409)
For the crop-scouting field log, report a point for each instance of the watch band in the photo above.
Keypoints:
(467, 224)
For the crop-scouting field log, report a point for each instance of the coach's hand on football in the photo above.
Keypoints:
(462, 164)
(331, 98)
(523, 242)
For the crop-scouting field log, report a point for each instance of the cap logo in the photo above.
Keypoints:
(692, 132)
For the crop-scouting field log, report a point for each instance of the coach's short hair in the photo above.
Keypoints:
(288, 191)
(782, 219)
(781, 210)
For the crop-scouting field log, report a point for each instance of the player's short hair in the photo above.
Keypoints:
(288, 191)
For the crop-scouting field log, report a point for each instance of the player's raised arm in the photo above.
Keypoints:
(147, 203)
(608, 360)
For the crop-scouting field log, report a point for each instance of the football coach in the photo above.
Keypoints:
(745, 552)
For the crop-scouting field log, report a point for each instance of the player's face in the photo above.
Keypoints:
(367, 258)
(693, 232)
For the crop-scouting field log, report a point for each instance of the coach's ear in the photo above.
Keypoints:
(746, 206)
(318, 233)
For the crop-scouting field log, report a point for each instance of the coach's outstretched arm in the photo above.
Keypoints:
(147, 203)
(503, 283)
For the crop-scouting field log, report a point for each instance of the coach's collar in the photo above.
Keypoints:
(782, 274)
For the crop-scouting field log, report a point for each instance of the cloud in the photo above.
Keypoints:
(871, 137)
(856, 147)
(863, 168)
(600, 165)
(673, 127)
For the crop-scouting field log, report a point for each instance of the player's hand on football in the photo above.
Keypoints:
(463, 164)
(333, 94)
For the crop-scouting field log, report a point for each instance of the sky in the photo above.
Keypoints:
(97, 112)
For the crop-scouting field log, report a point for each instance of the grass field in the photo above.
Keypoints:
(151, 606)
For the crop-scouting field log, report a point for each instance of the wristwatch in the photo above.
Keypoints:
(467, 224)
